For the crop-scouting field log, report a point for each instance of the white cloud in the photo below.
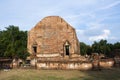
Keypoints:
(80, 31)
(93, 25)
(90, 18)
(111, 5)
(105, 35)
(81, 36)
(113, 38)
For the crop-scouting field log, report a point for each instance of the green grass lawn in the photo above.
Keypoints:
(32, 74)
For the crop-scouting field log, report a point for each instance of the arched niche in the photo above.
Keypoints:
(34, 48)
(66, 48)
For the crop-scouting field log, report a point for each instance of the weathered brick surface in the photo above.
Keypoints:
(107, 63)
(47, 41)
(64, 65)
(50, 36)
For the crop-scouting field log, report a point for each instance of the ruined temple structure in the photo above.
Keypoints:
(53, 36)
(53, 44)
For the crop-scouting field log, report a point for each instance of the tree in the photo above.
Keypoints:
(85, 49)
(13, 42)
(117, 45)
(2, 45)
(89, 50)
(95, 47)
(102, 47)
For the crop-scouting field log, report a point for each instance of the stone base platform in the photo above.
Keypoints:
(64, 65)
(70, 64)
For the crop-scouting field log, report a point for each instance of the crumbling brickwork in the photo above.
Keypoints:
(53, 35)
(53, 44)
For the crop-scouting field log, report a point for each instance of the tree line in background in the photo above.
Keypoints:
(101, 47)
(13, 43)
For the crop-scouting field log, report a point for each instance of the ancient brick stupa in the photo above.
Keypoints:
(53, 42)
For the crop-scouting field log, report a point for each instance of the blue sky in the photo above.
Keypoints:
(93, 19)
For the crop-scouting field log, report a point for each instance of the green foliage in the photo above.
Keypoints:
(85, 49)
(102, 47)
(99, 47)
(13, 43)
(117, 45)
